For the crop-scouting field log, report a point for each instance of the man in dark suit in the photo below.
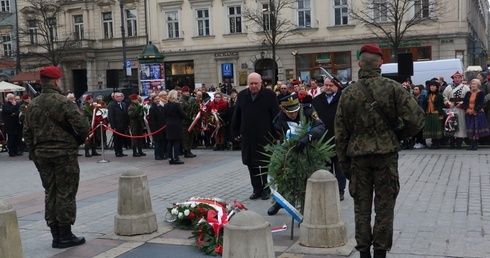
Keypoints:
(325, 105)
(255, 110)
(119, 120)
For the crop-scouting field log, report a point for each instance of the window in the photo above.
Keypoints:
(304, 14)
(421, 8)
(53, 30)
(5, 5)
(235, 19)
(380, 10)
(341, 12)
(172, 20)
(78, 22)
(107, 23)
(266, 16)
(202, 22)
(131, 23)
(32, 31)
(7, 45)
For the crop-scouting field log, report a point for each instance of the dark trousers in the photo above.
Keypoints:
(13, 143)
(118, 143)
(60, 177)
(258, 177)
(339, 175)
(378, 175)
(173, 149)
(160, 148)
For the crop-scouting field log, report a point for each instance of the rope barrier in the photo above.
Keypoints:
(121, 134)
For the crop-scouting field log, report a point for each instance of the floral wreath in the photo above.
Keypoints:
(206, 217)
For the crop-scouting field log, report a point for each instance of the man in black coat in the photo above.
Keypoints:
(119, 120)
(12, 126)
(325, 105)
(255, 110)
(156, 121)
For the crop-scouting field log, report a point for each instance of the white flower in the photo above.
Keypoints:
(193, 205)
(175, 211)
(181, 215)
(186, 212)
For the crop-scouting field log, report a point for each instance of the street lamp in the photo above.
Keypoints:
(123, 37)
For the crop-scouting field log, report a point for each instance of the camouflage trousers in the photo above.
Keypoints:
(60, 177)
(376, 174)
(186, 139)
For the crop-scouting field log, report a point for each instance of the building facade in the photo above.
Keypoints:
(8, 39)
(212, 41)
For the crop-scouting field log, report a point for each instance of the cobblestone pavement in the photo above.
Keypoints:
(443, 208)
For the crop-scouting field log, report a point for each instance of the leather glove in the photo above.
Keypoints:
(301, 144)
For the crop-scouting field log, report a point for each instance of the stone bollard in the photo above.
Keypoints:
(10, 243)
(248, 235)
(134, 213)
(322, 224)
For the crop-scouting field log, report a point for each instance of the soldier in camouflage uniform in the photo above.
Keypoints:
(51, 124)
(90, 144)
(367, 149)
(189, 106)
(136, 113)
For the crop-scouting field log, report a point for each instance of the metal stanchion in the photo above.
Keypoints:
(103, 160)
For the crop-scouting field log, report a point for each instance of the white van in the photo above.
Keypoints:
(426, 70)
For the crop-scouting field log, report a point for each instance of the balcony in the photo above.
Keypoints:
(117, 42)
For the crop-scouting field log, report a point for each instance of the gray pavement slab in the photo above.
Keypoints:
(443, 209)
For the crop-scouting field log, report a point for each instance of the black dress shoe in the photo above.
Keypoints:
(136, 154)
(266, 195)
(142, 153)
(274, 209)
(255, 196)
(96, 154)
(159, 158)
(341, 197)
(189, 155)
(119, 155)
(123, 155)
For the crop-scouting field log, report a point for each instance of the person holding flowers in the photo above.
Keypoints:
(476, 121)
(434, 115)
(136, 114)
(219, 109)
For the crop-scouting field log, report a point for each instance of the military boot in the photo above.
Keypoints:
(67, 238)
(140, 151)
(94, 151)
(365, 254)
(379, 253)
(470, 147)
(475, 145)
(55, 232)
(459, 141)
(135, 153)
(87, 152)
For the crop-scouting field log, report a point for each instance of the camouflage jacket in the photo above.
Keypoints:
(47, 118)
(136, 113)
(360, 130)
(190, 108)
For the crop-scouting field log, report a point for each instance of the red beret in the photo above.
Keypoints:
(133, 97)
(371, 48)
(89, 96)
(295, 82)
(185, 89)
(26, 96)
(52, 72)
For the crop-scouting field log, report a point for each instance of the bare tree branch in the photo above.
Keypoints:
(39, 29)
(271, 26)
(391, 20)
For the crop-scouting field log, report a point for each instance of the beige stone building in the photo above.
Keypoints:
(211, 41)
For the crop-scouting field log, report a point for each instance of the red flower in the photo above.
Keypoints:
(191, 215)
(219, 249)
(199, 240)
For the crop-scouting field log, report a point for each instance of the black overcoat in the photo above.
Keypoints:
(10, 115)
(326, 112)
(156, 121)
(252, 120)
(174, 115)
(118, 118)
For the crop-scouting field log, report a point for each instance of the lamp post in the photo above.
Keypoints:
(123, 37)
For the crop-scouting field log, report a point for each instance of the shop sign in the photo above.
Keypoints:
(226, 54)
